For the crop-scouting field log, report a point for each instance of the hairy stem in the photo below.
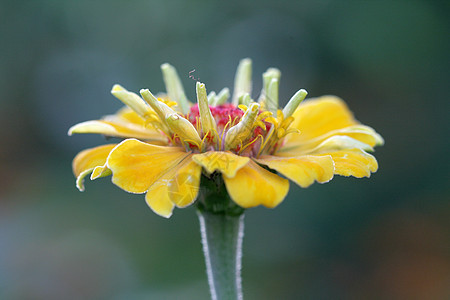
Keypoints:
(222, 236)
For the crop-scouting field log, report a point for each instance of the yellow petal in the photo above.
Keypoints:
(87, 160)
(303, 170)
(178, 187)
(361, 133)
(100, 171)
(137, 165)
(253, 185)
(318, 116)
(353, 162)
(80, 179)
(158, 200)
(127, 114)
(225, 162)
(117, 128)
(184, 183)
(339, 142)
(364, 134)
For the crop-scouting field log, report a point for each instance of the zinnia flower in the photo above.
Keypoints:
(252, 147)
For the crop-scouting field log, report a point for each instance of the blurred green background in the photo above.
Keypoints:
(386, 237)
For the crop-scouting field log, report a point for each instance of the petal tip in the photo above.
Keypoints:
(165, 66)
(116, 88)
(167, 216)
(80, 182)
(161, 206)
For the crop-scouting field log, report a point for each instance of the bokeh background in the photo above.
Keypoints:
(386, 237)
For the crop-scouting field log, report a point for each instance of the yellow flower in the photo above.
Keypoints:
(169, 145)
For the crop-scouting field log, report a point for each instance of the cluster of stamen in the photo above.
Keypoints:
(221, 113)
(244, 126)
(226, 116)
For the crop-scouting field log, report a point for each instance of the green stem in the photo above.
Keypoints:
(222, 246)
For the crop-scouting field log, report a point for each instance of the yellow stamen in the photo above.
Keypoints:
(199, 145)
(280, 116)
(287, 122)
(266, 141)
(197, 124)
(224, 130)
(264, 114)
(272, 121)
(280, 132)
(259, 123)
(243, 107)
(219, 140)
(252, 142)
(203, 141)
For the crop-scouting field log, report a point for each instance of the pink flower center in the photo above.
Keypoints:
(221, 113)
(226, 116)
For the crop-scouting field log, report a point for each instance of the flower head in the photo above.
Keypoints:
(252, 147)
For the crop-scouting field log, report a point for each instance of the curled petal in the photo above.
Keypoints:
(353, 162)
(361, 133)
(117, 128)
(334, 143)
(137, 165)
(338, 142)
(253, 185)
(364, 134)
(226, 163)
(178, 187)
(86, 161)
(303, 170)
(100, 171)
(158, 200)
